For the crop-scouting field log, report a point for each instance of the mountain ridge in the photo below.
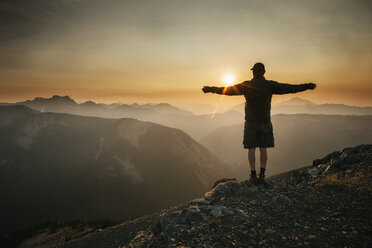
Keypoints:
(66, 166)
(326, 204)
(162, 113)
(65, 104)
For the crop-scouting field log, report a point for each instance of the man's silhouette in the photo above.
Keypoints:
(258, 130)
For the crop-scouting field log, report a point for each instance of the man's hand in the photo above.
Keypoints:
(311, 86)
(206, 89)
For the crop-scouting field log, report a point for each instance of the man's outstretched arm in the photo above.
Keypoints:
(234, 90)
(280, 88)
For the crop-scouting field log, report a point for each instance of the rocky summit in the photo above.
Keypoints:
(326, 204)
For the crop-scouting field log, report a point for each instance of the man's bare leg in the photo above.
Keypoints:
(252, 163)
(263, 157)
(263, 161)
(252, 158)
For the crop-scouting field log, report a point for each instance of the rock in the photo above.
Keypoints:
(326, 159)
(176, 218)
(159, 224)
(222, 189)
(139, 240)
(282, 199)
(223, 181)
(329, 167)
(209, 196)
(269, 231)
(314, 171)
(317, 162)
(335, 162)
(312, 236)
(170, 230)
(218, 211)
(200, 202)
(194, 214)
(351, 159)
(323, 166)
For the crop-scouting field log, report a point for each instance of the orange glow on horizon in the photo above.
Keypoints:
(145, 52)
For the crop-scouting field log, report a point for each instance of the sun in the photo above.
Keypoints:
(229, 80)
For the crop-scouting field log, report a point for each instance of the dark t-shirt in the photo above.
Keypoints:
(258, 93)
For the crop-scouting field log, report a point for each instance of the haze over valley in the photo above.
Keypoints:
(68, 167)
(298, 139)
(195, 125)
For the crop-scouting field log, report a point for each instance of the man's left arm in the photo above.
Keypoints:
(282, 88)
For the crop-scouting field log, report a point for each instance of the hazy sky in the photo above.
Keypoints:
(165, 51)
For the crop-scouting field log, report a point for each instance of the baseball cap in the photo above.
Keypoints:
(258, 67)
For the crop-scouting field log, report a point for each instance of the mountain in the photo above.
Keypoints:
(326, 204)
(298, 105)
(166, 108)
(90, 108)
(298, 139)
(296, 101)
(66, 167)
(165, 114)
(65, 104)
(58, 104)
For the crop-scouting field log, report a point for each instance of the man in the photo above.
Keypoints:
(258, 130)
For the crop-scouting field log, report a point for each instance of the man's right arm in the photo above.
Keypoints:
(234, 90)
(281, 88)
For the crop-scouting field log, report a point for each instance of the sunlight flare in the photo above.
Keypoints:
(229, 80)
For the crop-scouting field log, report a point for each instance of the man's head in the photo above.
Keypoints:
(258, 69)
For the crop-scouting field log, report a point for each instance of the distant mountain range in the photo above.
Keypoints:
(163, 113)
(298, 105)
(65, 104)
(63, 166)
(298, 139)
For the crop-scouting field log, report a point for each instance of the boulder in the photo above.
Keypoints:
(176, 217)
(314, 171)
(224, 180)
(199, 202)
(159, 224)
(218, 211)
(222, 189)
(194, 214)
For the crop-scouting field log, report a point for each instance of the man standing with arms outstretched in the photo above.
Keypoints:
(258, 130)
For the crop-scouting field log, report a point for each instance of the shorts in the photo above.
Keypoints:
(258, 134)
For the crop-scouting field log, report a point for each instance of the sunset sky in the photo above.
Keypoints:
(166, 50)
